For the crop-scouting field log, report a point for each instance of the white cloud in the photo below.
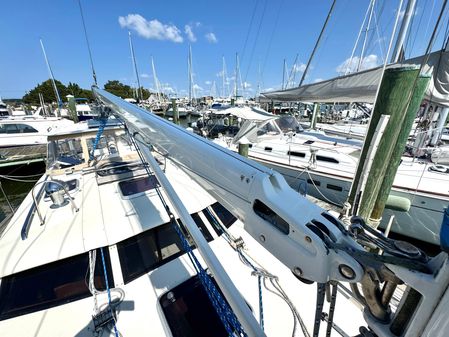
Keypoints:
(299, 68)
(350, 66)
(197, 87)
(167, 88)
(189, 32)
(152, 29)
(318, 80)
(211, 37)
(207, 82)
(144, 75)
(246, 85)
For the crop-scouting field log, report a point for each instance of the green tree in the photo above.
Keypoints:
(75, 90)
(119, 89)
(47, 91)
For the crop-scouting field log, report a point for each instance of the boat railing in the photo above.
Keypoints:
(35, 207)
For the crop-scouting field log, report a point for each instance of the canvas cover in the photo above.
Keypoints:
(362, 86)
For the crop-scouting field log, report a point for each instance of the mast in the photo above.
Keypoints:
(366, 34)
(348, 67)
(291, 77)
(223, 72)
(156, 81)
(139, 89)
(399, 47)
(283, 75)
(58, 98)
(189, 63)
(317, 43)
(242, 84)
(236, 88)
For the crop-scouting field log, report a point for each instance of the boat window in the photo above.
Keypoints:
(17, 128)
(267, 129)
(355, 154)
(327, 159)
(153, 248)
(296, 154)
(226, 217)
(51, 285)
(309, 142)
(25, 128)
(202, 227)
(189, 311)
(139, 185)
(334, 187)
(8, 128)
(314, 182)
(288, 124)
(267, 148)
(270, 216)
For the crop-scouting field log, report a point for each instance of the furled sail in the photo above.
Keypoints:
(362, 86)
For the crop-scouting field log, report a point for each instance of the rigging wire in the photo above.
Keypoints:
(410, 45)
(249, 29)
(272, 36)
(94, 75)
(430, 18)
(255, 40)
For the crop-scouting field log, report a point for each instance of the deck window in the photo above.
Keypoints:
(268, 149)
(51, 285)
(153, 248)
(224, 215)
(226, 218)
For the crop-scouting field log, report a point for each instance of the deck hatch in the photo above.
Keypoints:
(138, 185)
(189, 311)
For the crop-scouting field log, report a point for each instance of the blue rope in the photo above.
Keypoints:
(108, 290)
(261, 322)
(222, 308)
(98, 137)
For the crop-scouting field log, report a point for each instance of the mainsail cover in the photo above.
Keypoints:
(362, 86)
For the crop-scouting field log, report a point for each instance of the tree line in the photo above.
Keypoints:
(46, 89)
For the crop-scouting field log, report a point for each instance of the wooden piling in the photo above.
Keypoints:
(175, 111)
(392, 100)
(398, 149)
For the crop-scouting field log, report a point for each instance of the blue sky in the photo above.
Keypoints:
(263, 33)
